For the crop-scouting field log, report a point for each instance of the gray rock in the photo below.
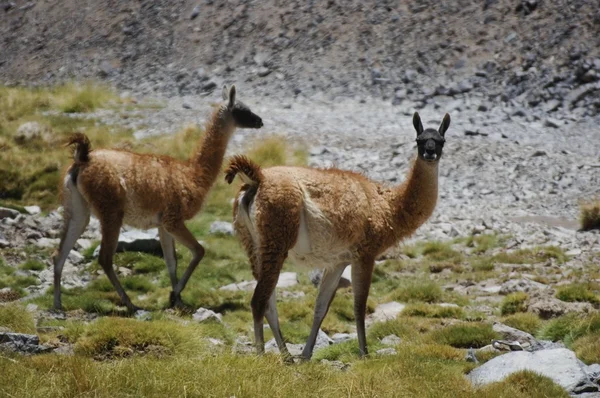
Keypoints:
(521, 285)
(322, 340)
(287, 279)
(195, 12)
(341, 337)
(593, 372)
(561, 365)
(553, 123)
(203, 315)
(244, 286)
(143, 315)
(263, 72)
(22, 343)
(135, 240)
(525, 339)
(544, 304)
(33, 210)
(243, 345)
(386, 312)
(386, 351)
(392, 339)
(293, 349)
(221, 228)
(8, 213)
(29, 131)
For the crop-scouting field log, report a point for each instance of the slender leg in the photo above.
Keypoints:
(167, 242)
(362, 272)
(76, 219)
(185, 237)
(111, 224)
(273, 319)
(327, 289)
(271, 267)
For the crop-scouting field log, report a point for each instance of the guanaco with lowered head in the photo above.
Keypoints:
(328, 218)
(145, 191)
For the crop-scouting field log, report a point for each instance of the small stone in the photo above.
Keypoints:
(143, 315)
(341, 337)
(392, 339)
(322, 340)
(221, 228)
(45, 243)
(339, 365)
(28, 132)
(386, 351)
(33, 210)
(203, 315)
(186, 105)
(264, 71)
(244, 286)
(8, 213)
(195, 12)
(539, 153)
(550, 122)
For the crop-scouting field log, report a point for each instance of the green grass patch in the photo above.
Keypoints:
(464, 335)
(437, 251)
(418, 291)
(33, 265)
(433, 311)
(587, 348)
(514, 302)
(568, 328)
(524, 321)
(16, 318)
(578, 292)
(482, 243)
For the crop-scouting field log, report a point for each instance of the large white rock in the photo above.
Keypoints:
(386, 312)
(560, 364)
(287, 279)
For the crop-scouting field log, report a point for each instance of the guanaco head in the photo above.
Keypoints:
(430, 142)
(239, 113)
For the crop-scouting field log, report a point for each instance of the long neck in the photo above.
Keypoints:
(414, 201)
(208, 158)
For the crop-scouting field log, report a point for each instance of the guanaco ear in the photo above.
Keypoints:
(445, 124)
(225, 92)
(232, 96)
(417, 123)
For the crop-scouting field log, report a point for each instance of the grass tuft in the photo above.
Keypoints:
(465, 335)
(514, 302)
(577, 292)
(425, 291)
(16, 318)
(589, 215)
(433, 311)
(524, 321)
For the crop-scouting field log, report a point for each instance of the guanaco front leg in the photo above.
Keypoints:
(362, 271)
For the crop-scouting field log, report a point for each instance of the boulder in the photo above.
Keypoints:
(546, 306)
(22, 343)
(525, 339)
(203, 315)
(392, 339)
(521, 285)
(8, 213)
(561, 365)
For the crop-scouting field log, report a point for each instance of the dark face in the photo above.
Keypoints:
(430, 142)
(244, 117)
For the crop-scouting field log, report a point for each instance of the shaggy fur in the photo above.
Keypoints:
(145, 191)
(329, 219)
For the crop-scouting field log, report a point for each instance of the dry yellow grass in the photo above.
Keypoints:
(589, 217)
